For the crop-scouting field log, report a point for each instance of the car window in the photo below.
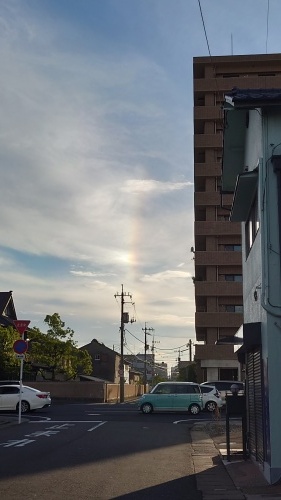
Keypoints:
(222, 386)
(206, 388)
(164, 389)
(9, 390)
(187, 389)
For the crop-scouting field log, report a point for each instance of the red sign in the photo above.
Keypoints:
(20, 346)
(21, 325)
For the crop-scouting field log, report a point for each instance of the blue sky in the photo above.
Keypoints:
(96, 157)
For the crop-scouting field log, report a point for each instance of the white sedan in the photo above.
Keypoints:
(211, 397)
(31, 399)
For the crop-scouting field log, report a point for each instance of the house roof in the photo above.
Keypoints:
(89, 378)
(7, 309)
(253, 97)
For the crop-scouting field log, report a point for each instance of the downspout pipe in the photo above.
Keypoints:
(273, 309)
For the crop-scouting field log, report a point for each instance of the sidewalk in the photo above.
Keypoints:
(221, 480)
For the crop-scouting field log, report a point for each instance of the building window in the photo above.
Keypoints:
(232, 248)
(233, 277)
(252, 226)
(228, 374)
(97, 357)
(234, 308)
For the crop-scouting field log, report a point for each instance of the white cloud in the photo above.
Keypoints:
(90, 274)
(152, 186)
(166, 275)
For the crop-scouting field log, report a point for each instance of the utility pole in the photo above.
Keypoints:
(190, 349)
(146, 332)
(153, 358)
(124, 319)
(179, 360)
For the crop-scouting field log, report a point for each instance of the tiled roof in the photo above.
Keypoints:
(7, 309)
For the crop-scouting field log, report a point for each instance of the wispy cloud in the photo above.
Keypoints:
(153, 186)
(165, 276)
(90, 274)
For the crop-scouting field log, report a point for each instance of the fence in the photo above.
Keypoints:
(96, 392)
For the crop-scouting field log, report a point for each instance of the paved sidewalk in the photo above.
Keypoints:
(221, 480)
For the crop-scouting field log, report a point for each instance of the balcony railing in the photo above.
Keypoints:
(218, 319)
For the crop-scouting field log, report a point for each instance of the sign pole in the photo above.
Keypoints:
(20, 347)
(21, 373)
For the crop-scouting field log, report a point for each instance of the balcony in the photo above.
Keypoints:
(212, 198)
(218, 258)
(218, 319)
(207, 113)
(208, 141)
(226, 84)
(216, 228)
(219, 289)
(214, 352)
(207, 169)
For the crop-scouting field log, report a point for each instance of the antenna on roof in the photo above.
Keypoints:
(231, 42)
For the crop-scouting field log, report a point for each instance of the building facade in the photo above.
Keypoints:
(154, 370)
(106, 362)
(217, 252)
(252, 165)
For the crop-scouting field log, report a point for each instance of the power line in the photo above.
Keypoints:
(267, 19)
(203, 22)
(157, 348)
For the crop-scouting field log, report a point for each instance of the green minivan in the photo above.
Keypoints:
(173, 396)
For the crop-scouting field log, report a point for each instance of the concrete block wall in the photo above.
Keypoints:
(96, 392)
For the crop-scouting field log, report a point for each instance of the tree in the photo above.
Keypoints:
(187, 374)
(191, 373)
(9, 364)
(56, 351)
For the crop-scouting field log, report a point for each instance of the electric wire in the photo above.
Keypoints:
(267, 19)
(203, 22)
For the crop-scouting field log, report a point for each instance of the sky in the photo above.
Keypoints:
(96, 158)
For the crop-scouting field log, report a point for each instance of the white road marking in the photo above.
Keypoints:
(192, 420)
(35, 416)
(96, 426)
(63, 422)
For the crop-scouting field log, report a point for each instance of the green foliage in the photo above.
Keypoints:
(57, 328)
(56, 351)
(191, 373)
(157, 379)
(187, 374)
(9, 364)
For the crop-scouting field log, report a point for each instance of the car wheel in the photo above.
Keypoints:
(25, 407)
(194, 409)
(210, 406)
(147, 408)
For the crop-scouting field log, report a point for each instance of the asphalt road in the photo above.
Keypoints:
(90, 451)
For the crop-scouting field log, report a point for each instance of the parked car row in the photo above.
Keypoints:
(187, 396)
(31, 399)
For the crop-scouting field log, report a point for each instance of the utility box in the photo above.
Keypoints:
(235, 405)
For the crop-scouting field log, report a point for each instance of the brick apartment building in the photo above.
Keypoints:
(217, 252)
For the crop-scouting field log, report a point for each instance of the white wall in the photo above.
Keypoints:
(261, 270)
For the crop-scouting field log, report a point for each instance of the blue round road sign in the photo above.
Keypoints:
(20, 346)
